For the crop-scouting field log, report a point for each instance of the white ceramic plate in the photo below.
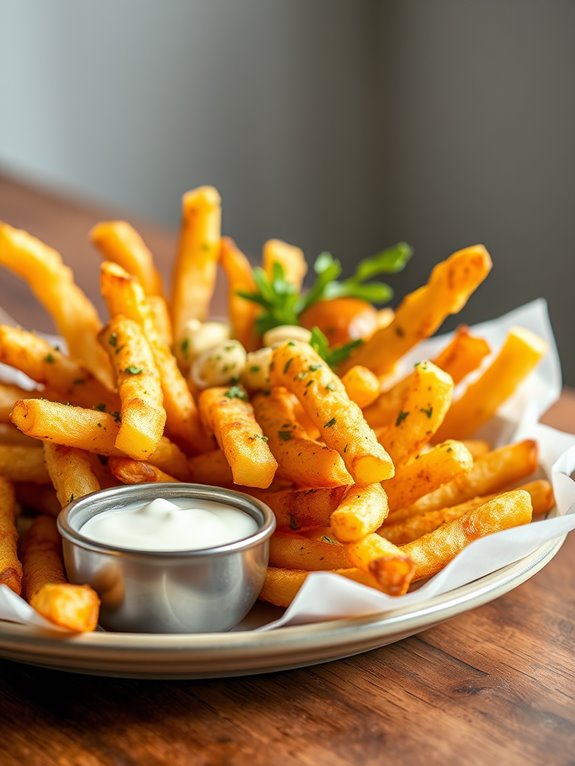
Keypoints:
(212, 655)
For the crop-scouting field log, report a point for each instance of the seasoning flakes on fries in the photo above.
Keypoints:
(382, 484)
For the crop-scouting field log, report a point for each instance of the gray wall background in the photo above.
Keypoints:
(336, 124)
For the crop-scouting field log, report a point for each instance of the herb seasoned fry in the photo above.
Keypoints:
(388, 564)
(130, 471)
(296, 551)
(70, 471)
(362, 511)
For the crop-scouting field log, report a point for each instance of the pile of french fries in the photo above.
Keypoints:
(370, 476)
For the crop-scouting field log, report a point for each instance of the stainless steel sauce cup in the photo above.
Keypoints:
(188, 591)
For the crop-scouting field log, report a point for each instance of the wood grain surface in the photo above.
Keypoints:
(493, 686)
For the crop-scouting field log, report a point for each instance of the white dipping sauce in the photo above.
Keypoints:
(165, 526)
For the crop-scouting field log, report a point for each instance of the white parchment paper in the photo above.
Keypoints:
(326, 596)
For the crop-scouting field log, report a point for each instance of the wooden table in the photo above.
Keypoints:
(492, 686)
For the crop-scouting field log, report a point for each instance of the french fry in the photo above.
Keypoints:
(490, 473)
(362, 511)
(10, 435)
(228, 415)
(322, 394)
(130, 471)
(45, 587)
(10, 566)
(9, 395)
(422, 412)
(242, 314)
(296, 509)
(421, 312)
(281, 585)
(124, 295)
(518, 356)
(47, 365)
(141, 403)
(427, 472)
(194, 274)
(436, 549)
(477, 447)
(388, 564)
(161, 317)
(119, 242)
(210, 468)
(23, 463)
(296, 551)
(362, 385)
(40, 498)
(410, 529)
(70, 471)
(302, 460)
(42, 268)
(290, 258)
(89, 430)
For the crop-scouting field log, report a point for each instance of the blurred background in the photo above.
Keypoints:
(343, 125)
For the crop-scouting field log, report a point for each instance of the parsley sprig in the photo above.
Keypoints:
(333, 356)
(283, 304)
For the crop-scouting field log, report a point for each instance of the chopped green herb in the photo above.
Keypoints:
(261, 437)
(255, 368)
(330, 423)
(327, 539)
(78, 381)
(399, 331)
(101, 407)
(113, 339)
(309, 383)
(331, 387)
(427, 410)
(133, 370)
(49, 358)
(185, 346)
(285, 436)
(236, 392)
(401, 417)
(116, 416)
(333, 356)
(288, 364)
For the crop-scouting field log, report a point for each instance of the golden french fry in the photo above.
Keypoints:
(194, 274)
(10, 567)
(388, 564)
(119, 242)
(45, 586)
(210, 468)
(41, 498)
(89, 430)
(124, 295)
(162, 320)
(290, 258)
(302, 460)
(477, 447)
(141, 402)
(230, 417)
(427, 472)
(242, 314)
(42, 268)
(70, 471)
(362, 385)
(421, 312)
(362, 511)
(410, 529)
(9, 395)
(296, 509)
(10, 435)
(518, 356)
(489, 474)
(23, 463)
(436, 549)
(130, 471)
(296, 551)
(282, 585)
(422, 411)
(340, 421)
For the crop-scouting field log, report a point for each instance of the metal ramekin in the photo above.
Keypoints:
(197, 591)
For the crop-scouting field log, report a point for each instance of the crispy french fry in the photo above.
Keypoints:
(194, 274)
(10, 567)
(421, 312)
(210, 468)
(282, 585)
(23, 463)
(477, 447)
(518, 356)
(296, 509)
(124, 295)
(130, 471)
(322, 394)
(47, 365)
(302, 460)
(290, 258)
(228, 415)
(362, 385)
(162, 320)
(119, 242)
(422, 411)
(9, 395)
(410, 529)
(427, 472)
(362, 511)
(490, 473)
(141, 402)
(88, 430)
(242, 313)
(70, 471)
(434, 550)
(389, 565)
(41, 498)
(42, 268)
(45, 586)
(295, 551)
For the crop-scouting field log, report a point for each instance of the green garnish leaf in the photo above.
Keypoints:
(49, 358)
(330, 423)
(132, 370)
(237, 392)
(113, 339)
(401, 417)
(333, 356)
(286, 435)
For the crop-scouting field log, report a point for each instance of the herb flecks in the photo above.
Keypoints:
(330, 423)
(427, 410)
(236, 392)
(401, 415)
(133, 370)
(285, 435)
